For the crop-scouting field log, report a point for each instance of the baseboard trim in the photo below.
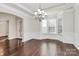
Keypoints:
(77, 47)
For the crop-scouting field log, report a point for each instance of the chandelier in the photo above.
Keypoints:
(40, 14)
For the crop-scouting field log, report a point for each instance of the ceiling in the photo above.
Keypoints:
(29, 8)
(34, 6)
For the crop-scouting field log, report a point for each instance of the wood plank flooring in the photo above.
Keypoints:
(46, 47)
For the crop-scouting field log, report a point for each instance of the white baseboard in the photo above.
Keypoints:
(76, 40)
(67, 38)
(77, 46)
(40, 36)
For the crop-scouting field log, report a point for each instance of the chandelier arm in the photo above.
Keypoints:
(40, 14)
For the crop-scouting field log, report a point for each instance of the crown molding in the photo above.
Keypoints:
(5, 7)
(24, 8)
(19, 8)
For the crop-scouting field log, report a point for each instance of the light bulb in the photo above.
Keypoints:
(38, 10)
(35, 13)
(45, 13)
(42, 11)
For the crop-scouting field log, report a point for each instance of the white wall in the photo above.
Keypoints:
(68, 26)
(9, 28)
(3, 24)
(12, 27)
(76, 25)
(30, 27)
(3, 28)
(19, 27)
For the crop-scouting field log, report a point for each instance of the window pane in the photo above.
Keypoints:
(44, 26)
(52, 25)
(59, 26)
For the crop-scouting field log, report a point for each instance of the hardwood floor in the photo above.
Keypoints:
(46, 47)
(14, 45)
(9, 47)
(34, 47)
(4, 46)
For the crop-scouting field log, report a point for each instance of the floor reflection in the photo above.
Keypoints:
(48, 49)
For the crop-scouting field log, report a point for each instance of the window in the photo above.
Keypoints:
(52, 25)
(59, 25)
(49, 26)
(44, 26)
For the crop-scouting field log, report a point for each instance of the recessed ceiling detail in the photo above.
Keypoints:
(35, 6)
(30, 8)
